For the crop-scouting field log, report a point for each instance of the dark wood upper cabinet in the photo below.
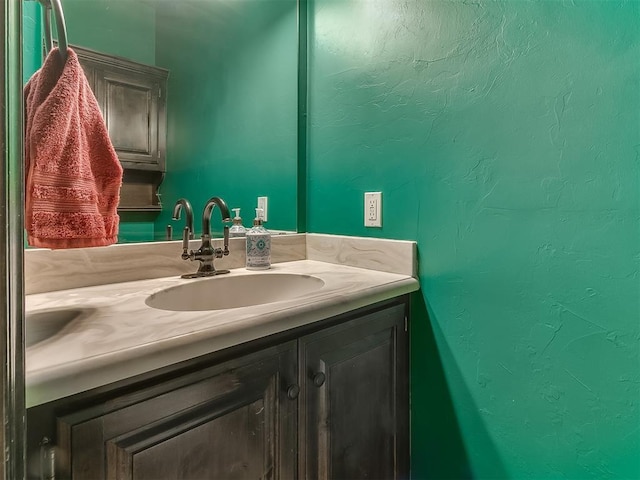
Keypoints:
(132, 98)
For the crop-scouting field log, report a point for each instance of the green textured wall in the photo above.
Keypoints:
(232, 107)
(31, 50)
(504, 136)
(123, 28)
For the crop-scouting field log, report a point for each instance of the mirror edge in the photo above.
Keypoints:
(11, 201)
(301, 194)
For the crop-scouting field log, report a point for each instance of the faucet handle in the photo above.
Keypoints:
(225, 231)
(185, 242)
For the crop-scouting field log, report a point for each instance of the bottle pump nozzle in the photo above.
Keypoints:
(259, 216)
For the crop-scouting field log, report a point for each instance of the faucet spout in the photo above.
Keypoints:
(207, 253)
(183, 204)
(208, 210)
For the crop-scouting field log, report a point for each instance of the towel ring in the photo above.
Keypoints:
(60, 26)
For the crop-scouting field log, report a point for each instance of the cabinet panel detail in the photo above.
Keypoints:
(234, 420)
(230, 439)
(134, 103)
(355, 421)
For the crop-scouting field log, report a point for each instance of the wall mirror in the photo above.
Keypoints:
(233, 126)
(232, 98)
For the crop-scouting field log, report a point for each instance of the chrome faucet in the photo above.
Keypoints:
(183, 204)
(206, 254)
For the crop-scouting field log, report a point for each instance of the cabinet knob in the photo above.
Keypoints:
(47, 459)
(293, 391)
(319, 379)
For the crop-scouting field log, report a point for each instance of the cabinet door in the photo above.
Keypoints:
(232, 421)
(354, 419)
(131, 103)
(132, 98)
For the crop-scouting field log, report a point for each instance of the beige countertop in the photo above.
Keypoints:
(121, 336)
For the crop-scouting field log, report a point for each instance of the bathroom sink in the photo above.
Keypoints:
(233, 291)
(45, 324)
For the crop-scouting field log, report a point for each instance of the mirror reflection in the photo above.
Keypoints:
(231, 101)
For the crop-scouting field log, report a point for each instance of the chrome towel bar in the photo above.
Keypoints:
(56, 6)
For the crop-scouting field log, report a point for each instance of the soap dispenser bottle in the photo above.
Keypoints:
(237, 230)
(258, 245)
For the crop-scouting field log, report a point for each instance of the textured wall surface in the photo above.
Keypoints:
(31, 54)
(504, 136)
(122, 28)
(232, 106)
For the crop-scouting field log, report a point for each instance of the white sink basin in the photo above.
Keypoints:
(233, 291)
(45, 324)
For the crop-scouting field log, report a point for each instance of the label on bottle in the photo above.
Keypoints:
(258, 251)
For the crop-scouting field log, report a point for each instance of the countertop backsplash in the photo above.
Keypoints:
(51, 270)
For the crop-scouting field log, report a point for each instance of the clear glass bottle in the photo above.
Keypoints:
(237, 230)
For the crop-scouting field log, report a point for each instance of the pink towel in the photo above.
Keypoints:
(73, 175)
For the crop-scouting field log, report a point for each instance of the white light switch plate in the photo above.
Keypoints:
(373, 209)
(263, 203)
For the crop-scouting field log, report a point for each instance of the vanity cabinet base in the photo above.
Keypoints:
(326, 402)
(355, 403)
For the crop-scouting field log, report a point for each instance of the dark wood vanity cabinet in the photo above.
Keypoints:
(233, 420)
(354, 418)
(325, 404)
